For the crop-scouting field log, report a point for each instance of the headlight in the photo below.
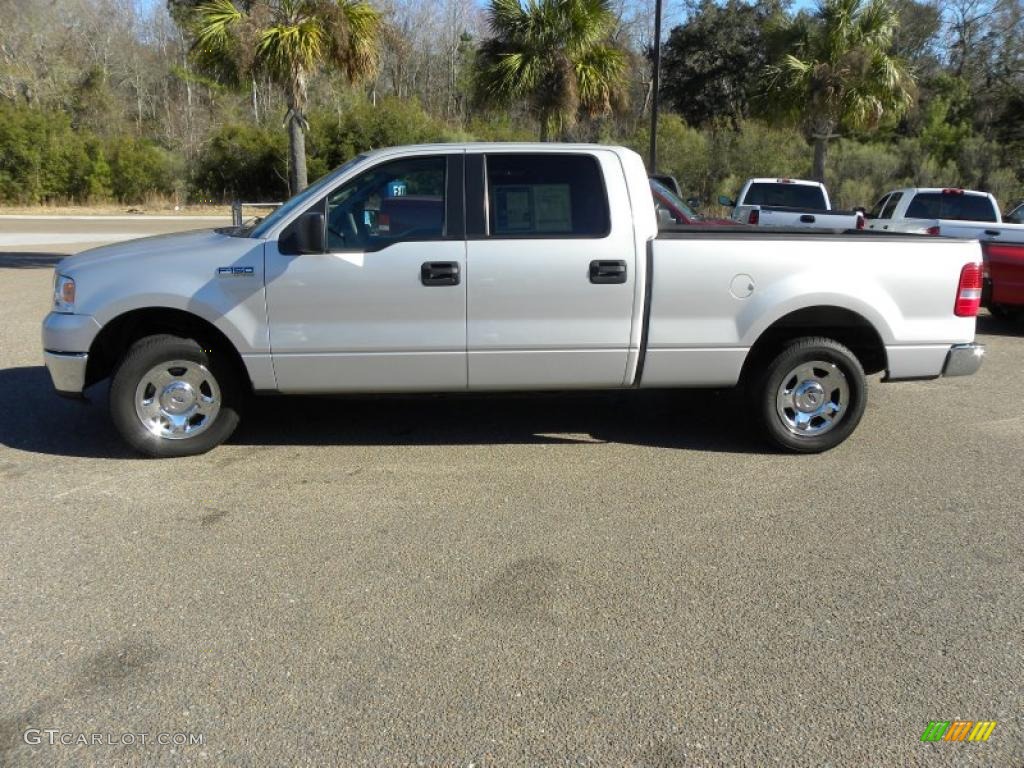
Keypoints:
(63, 294)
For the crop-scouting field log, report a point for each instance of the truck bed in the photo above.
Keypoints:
(713, 292)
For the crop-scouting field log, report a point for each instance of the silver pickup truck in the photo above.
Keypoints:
(483, 267)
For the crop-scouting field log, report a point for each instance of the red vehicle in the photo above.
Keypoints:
(674, 211)
(1003, 293)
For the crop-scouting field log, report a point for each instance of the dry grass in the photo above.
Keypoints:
(163, 208)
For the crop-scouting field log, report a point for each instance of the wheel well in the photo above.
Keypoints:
(843, 325)
(117, 336)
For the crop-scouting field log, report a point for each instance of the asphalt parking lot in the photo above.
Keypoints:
(625, 579)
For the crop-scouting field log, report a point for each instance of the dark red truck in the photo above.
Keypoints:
(1003, 293)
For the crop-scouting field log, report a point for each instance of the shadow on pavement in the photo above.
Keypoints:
(994, 326)
(697, 419)
(26, 260)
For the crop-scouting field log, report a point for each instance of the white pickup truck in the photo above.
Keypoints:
(483, 267)
(789, 203)
(963, 213)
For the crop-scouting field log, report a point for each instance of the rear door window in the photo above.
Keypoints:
(546, 196)
(957, 207)
(783, 195)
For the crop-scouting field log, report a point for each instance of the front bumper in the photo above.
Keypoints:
(67, 369)
(963, 359)
(63, 335)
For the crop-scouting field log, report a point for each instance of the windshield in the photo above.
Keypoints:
(667, 199)
(305, 197)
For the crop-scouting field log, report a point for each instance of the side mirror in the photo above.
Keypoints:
(665, 219)
(310, 233)
(727, 201)
(693, 202)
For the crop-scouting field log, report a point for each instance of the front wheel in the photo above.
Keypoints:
(811, 396)
(171, 397)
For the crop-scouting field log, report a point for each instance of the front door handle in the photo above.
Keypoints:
(807, 219)
(604, 272)
(439, 273)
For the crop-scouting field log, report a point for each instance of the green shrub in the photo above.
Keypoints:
(858, 174)
(139, 168)
(41, 157)
(682, 153)
(241, 161)
(337, 137)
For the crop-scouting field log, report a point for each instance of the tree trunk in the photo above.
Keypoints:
(296, 154)
(820, 153)
(544, 126)
(297, 179)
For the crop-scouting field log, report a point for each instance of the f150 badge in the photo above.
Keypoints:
(235, 271)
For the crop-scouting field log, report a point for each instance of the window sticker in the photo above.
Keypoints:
(525, 208)
(513, 211)
(553, 207)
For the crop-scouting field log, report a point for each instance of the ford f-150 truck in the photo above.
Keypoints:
(944, 212)
(789, 203)
(483, 267)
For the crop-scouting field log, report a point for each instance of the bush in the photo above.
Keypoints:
(138, 169)
(242, 161)
(336, 138)
(41, 157)
(858, 174)
(682, 152)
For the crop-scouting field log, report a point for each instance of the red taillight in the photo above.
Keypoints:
(754, 217)
(968, 293)
(933, 231)
(860, 222)
(952, 191)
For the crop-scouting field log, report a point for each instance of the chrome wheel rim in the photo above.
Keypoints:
(813, 398)
(177, 399)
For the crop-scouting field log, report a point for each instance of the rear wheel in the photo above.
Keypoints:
(171, 397)
(811, 396)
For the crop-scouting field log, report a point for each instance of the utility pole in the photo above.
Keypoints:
(655, 84)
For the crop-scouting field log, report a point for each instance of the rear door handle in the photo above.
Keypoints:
(993, 232)
(439, 273)
(604, 272)
(807, 219)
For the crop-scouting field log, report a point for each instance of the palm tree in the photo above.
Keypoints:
(289, 40)
(842, 73)
(557, 56)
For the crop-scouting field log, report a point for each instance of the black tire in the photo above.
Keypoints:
(778, 423)
(143, 357)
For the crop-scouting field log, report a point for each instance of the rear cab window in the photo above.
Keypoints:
(544, 196)
(956, 206)
(783, 195)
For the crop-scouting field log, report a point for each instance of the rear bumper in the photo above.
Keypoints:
(67, 370)
(963, 359)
